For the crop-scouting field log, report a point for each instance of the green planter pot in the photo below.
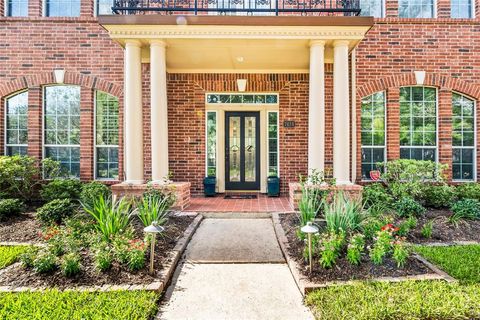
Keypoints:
(273, 186)
(209, 186)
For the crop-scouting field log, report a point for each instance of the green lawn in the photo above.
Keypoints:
(461, 262)
(10, 254)
(404, 300)
(73, 305)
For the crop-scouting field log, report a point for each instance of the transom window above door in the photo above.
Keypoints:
(243, 98)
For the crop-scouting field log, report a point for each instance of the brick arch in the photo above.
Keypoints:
(439, 81)
(79, 79)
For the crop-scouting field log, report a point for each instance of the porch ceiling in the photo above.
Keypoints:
(236, 46)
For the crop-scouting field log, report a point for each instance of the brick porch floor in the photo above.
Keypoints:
(219, 204)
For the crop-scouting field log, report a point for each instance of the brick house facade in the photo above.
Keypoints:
(385, 60)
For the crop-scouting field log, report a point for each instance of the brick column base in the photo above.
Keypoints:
(181, 189)
(353, 191)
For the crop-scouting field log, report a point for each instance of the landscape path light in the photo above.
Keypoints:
(153, 229)
(309, 229)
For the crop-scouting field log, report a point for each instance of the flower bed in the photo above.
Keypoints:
(89, 275)
(343, 270)
(20, 228)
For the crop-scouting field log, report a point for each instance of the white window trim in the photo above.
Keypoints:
(435, 11)
(384, 129)
(5, 144)
(474, 141)
(436, 124)
(206, 141)
(278, 143)
(95, 145)
(44, 145)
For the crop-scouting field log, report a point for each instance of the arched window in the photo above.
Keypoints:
(106, 137)
(16, 124)
(463, 138)
(62, 126)
(418, 123)
(373, 132)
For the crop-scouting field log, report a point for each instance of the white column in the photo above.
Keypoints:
(341, 113)
(316, 106)
(133, 113)
(159, 111)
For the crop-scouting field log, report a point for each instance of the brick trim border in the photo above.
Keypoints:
(305, 285)
(45, 78)
(158, 286)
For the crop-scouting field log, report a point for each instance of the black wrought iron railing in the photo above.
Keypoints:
(239, 7)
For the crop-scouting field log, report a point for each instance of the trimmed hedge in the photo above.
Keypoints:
(67, 305)
(403, 300)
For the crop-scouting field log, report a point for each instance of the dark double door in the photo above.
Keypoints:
(242, 150)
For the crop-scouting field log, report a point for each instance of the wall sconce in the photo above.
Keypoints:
(241, 84)
(59, 75)
(420, 77)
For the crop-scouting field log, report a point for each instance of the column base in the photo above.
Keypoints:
(352, 191)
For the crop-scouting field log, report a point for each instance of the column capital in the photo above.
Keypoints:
(158, 43)
(341, 43)
(315, 43)
(133, 43)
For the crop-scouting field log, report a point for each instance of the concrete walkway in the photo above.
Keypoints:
(251, 282)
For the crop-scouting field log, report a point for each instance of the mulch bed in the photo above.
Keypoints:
(117, 275)
(20, 228)
(343, 270)
(444, 231)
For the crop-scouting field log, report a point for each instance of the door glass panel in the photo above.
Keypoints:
(250, 149)
(234, 151)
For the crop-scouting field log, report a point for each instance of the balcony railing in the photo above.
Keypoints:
(239, 7)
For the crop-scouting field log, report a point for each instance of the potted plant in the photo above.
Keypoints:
(209, 183)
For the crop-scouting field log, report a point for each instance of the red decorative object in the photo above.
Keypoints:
(374, 175)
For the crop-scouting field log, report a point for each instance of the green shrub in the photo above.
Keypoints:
(161, 194)
(28, 257)
(407, 207)
(427, 229)
(44, 262)
(373, 224)
(406, 226)
(381, 246)
(468, 191)
(331, 245)
(465, 209)
(406, 178)
(70, 265)
(55, 211)
(10, 207)
(136, 255)
(151, 209)
(103, 257)
(343, 214)
(400, 253)
(376, 194)
(438, 196)
(355, 249)
(92, 191)
(111, 217)
(19, 175)
(61, 189)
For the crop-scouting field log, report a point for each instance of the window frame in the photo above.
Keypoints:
(385, 113)
(278, 142)
(7, 13)
(45, 145)
(472, 10)
(434, 14)
(206, 141)
(45, 10)
(384, 10)
(5, 113)
(436, 124)
(96, 146)
(474, 148)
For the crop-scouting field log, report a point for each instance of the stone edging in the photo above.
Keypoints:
(164, 278)
(305, 285)
(446, 244)
(16, 243)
